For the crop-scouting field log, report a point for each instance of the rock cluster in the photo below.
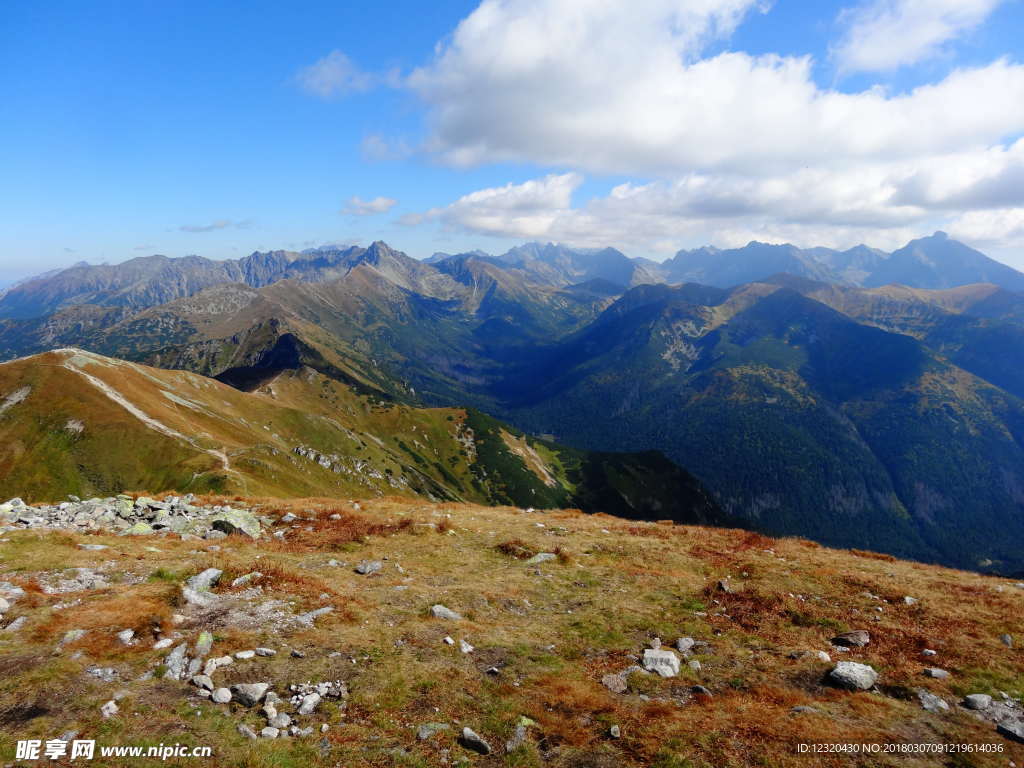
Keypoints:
(128, 516)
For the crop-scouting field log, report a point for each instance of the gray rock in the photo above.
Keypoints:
(241, 581)
(265, 652)
(694, 665)
(541, 557)
(908, 600)
(222, 695)
(615, 683)
(109, 709)
(205, 579)
(203, 599)
(126, 636)
(1006, 640)
(270, 732)
(930, 702)
(202, 681)
(700, 690)
(684, 644)
(441, 612)
(175, 662)
(244, 655)
(853, 676)
(465, 647)
(470, 740)
(138, 529)
(977, 701)
(249, 694)
(664, 662)
(935, 672)
(724, 586)
(309, 703)
(615, 732)
(428, 730)
(72, 635)
(103, 674)
(236, 521)
(15, 625)
(280, 720)
(929, 652)
(366, 567)
(1013, 730)
(311, 616)
(159, 645)
(803, 709)
(93, 547)
(246, 731)
(858, 638)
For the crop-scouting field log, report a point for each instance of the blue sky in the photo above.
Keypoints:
(221, 128)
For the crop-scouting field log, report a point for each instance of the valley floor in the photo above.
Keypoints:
(537, 663)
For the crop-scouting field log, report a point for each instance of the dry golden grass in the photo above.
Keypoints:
(551, 631)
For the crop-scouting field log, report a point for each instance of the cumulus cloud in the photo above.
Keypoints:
(886, 34)
(332, 76)
(622, 88)
(725, 145)
(356, 206)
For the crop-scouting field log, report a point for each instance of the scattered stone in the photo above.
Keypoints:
(266, 652)
(853, 676)
(929, 652)
(935, 672)
(465, 647)
(175, 662)
(615, 683)
(700, 690)
(541, 557)
(297, 654)
(243, 655)
(203, 681)
(907, 600)
(615, 732)
(803, 709)
(1006, 640)
(72, 635)
(470, 740)
(367, 567)
(205, 579)
(280, 721)
(428, 730)
(241, 581)
(202, 599)
(270, 732)
(93, 547)
(694, 665)
(724, 586)
(126, 636)
(249, 694)
(822, 656)
(684, 644)
(236, 521)
(311, 616)
(246, 731)
(309, 703)
(159, 645)
(222, 695)
(978, 701)
(15, 625)
(1012, 730)
(441, 612)
(930, 702)
(664, 662)
(109, 709)
(858, 638)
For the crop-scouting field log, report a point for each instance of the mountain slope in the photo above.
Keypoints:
(76, 422)
(941, 262)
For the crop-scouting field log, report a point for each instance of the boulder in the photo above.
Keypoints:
(176, 663)
(222, 695)
(858, 638)
(853, 676)
(936, 673)
(236, 521)
(977, 701)
(441, 612)
(470, 740)
(250, 694)
(662, 661)
(204, 580)
(1013, 730)
(309, 703)
(366, 567)
(930, 702)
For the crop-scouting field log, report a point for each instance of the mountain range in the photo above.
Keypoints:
(861, 398)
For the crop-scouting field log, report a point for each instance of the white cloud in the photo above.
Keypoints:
(887, 34)
(621, 88)
(356, 206)
(332, 76)
(998, 228)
